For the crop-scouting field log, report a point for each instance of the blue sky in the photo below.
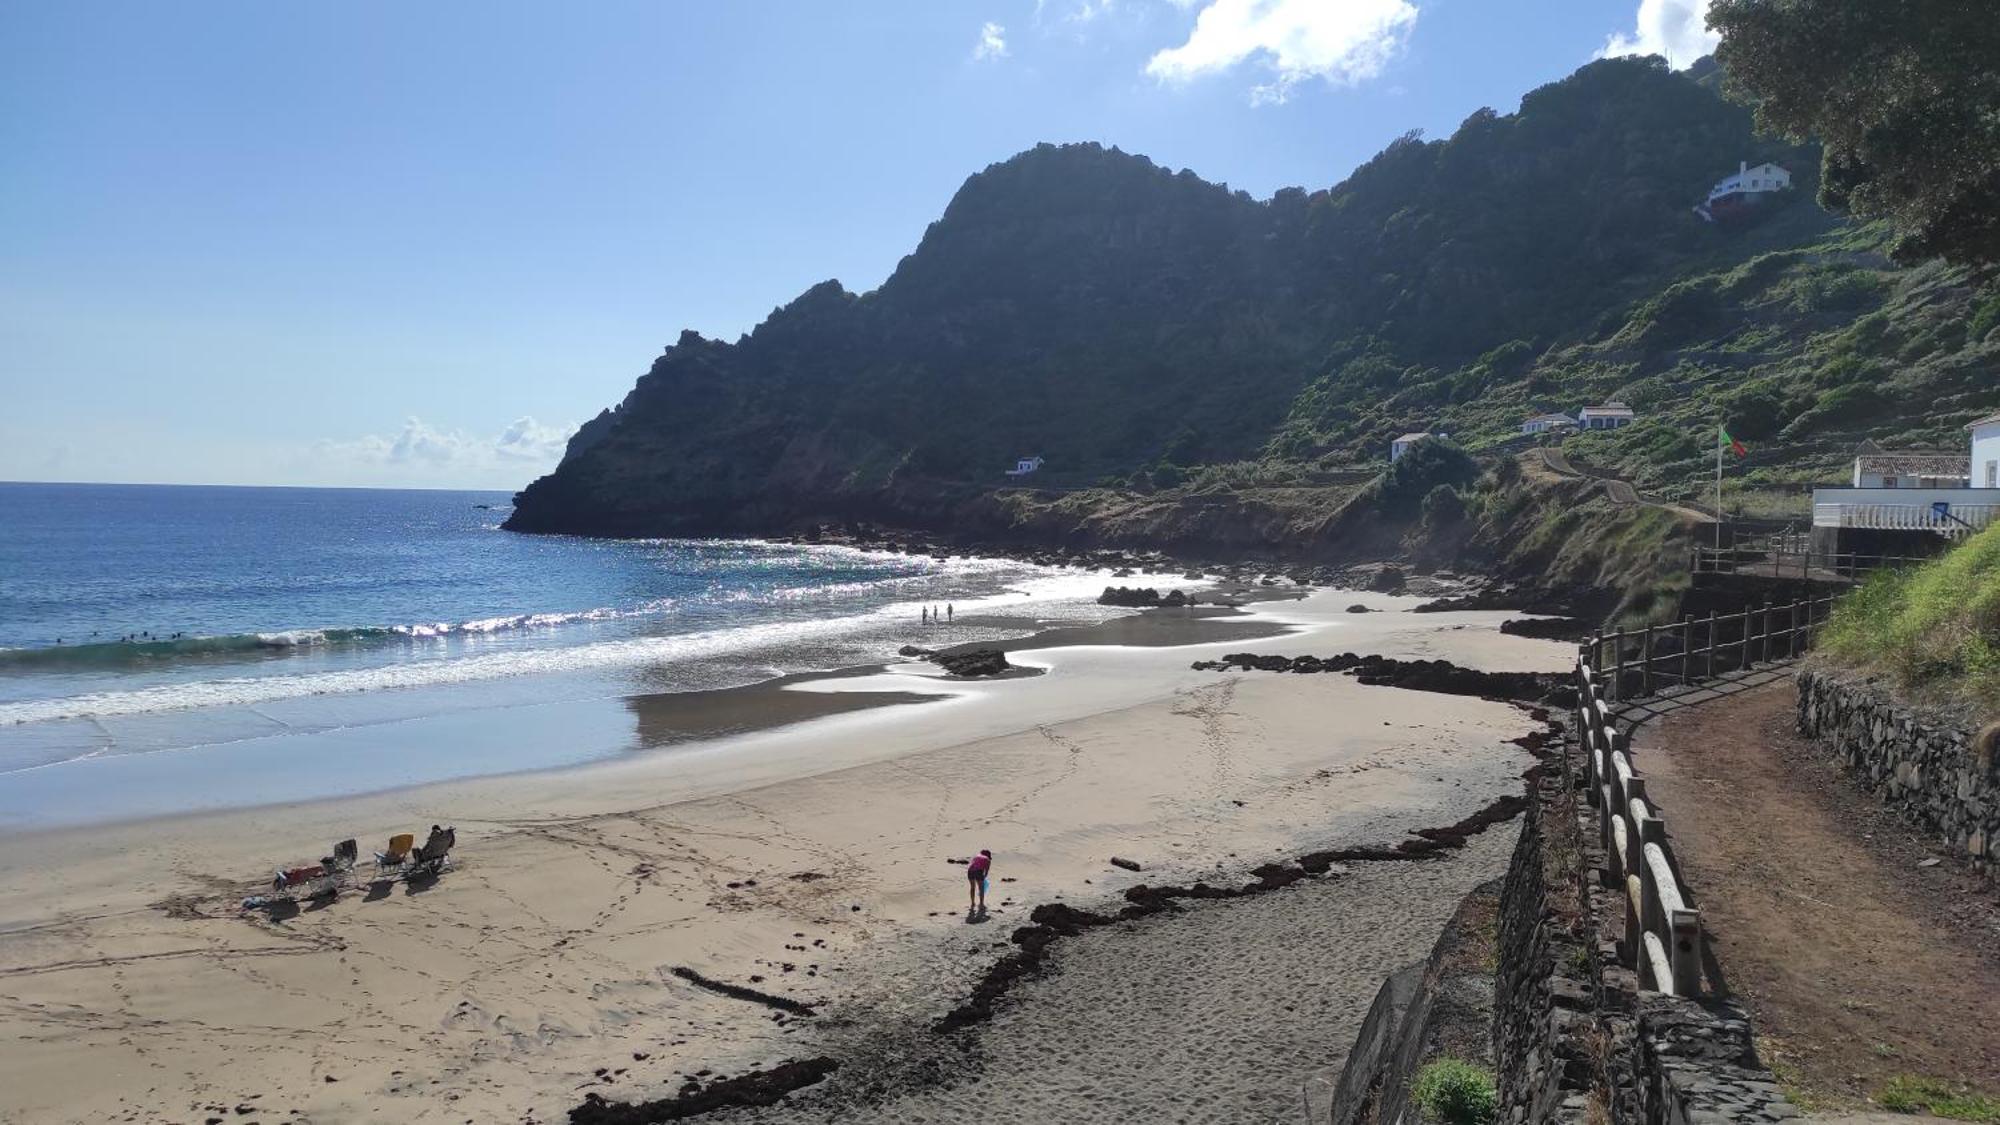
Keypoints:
(384, 243)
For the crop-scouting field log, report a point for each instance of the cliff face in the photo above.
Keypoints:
(1127, 322)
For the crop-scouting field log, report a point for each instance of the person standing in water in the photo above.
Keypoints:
(927, 615)
(947, 611)
(976, 872)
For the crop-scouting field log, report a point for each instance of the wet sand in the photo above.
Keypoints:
(812, 856)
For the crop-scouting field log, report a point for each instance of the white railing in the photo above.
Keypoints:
(1906, 517)
(1907, 509)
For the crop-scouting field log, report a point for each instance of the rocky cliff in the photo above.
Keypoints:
(1133, 325)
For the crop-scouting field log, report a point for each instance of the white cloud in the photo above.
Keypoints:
(1338, 41)
(992, 42)
(422, 453)
(1677, 29)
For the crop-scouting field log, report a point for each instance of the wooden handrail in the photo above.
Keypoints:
(1663, 934)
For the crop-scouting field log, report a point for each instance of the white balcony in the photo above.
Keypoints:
(1907, 509)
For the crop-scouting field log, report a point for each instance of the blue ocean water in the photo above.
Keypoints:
(193, 625)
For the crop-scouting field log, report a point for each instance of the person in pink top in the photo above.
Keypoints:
(975, 874)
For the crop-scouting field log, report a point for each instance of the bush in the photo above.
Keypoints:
(1425, 466)
(1455, 1092)
(1444, 506)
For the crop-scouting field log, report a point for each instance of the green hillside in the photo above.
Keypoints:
(1146, 330)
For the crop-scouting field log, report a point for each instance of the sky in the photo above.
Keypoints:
(376, 243)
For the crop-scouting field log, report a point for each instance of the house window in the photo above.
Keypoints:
(1889, 482)
(1993, 474)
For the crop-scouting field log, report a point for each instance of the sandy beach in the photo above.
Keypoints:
(808, 861)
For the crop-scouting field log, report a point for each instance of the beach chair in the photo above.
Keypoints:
(319, 880)
(398, 852)
(435, 856)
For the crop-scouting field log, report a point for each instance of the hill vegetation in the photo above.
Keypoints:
(1934, 629)
(1178, 351)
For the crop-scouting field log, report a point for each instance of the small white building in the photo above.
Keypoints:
(1402, 444)
(1747, 189)
(1610, 416)
(1985, 451)
(1899, 495)
(1883, 469)
(1025, 466)
(1543, 423)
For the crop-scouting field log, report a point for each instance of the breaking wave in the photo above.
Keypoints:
(125, 654)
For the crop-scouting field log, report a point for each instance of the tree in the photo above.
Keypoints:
(1422, 468)
(1904, 95)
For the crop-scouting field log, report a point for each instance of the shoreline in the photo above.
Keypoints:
(667, 719)
(836, 828)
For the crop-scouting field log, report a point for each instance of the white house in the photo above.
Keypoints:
(1543, 423)
(1986, 451)
(1610, 416)
(1747, 189)
(1402, 444)
(1883, 469)
(1902, 500)
(1025, 466)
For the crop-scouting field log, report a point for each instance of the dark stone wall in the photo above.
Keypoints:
(1926, 767)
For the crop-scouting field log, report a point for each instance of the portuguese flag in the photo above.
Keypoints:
(1735, 446)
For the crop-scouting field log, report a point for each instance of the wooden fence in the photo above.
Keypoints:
(1663, 940)
(1693, 649)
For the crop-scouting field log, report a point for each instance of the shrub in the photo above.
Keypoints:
(1426, 465)
(1444, 506)
(1455, 1092)
(1985, 318)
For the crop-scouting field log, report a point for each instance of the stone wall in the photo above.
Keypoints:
(1925, 767)
(1442, 1005)
(1575, 1037)
(1544, 1025)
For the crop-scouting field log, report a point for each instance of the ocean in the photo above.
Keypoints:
(169, 649)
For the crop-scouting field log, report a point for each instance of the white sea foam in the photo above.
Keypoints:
(626, 652)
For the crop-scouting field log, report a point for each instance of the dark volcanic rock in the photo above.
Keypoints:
(1359, 608)
(757, 1088)
(1416, 675)
(979, 662)
(1548, 628)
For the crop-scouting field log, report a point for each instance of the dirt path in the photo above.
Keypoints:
(1620, 492)
(1857, 964)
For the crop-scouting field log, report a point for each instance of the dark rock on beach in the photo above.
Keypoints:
(979, 662)
(1135, 597)
(1549, 628)
(1416, 675)
(757, 1088)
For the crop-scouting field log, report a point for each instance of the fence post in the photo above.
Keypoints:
(1792, 636)
(1646, 666)
(1649, 912)
(1711, 646)
(1633, 949)
(1618, 665)
(1687, 646)
(1684, 952)
(1764, 640)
